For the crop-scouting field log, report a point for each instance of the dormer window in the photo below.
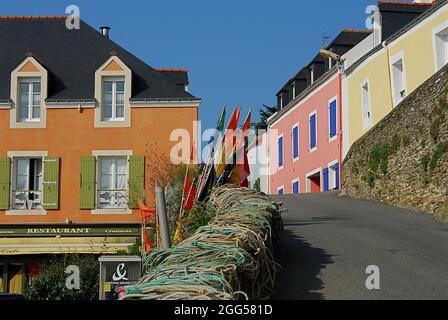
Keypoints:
(30, 99)
(28, 94)
(113, 99)
(113, 89)
(312, 75)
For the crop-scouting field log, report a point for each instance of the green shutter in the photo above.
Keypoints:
(87, 192)
(136, 180)
(51, 183)
(5, 174)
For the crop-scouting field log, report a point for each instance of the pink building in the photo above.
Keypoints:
(304, 135)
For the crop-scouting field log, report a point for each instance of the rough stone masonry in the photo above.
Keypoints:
(403, 160)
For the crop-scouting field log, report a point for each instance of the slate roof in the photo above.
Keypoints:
(72, 57)
(395, 16)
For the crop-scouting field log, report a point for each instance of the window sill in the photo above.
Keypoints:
(334, 138)
(295, 159)
(35, 212)
(313, 149)
(112, 211)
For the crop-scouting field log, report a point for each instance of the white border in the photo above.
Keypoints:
(99, 75)
(24, 154)
(16, 75)
(394, 59)
(282, 187)
(366, 123)
(335, 137)
(308, 175)
(109, 153)
(435, 31)
(295, 125)
(283, 152)
(311, 150)
(292, 185)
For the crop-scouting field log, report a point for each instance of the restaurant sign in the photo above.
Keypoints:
(69, 231)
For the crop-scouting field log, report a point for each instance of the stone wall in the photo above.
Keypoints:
(403, 160)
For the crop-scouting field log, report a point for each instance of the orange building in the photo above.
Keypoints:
(77, 113)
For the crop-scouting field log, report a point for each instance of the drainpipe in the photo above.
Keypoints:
(384, 44)
(341, 142)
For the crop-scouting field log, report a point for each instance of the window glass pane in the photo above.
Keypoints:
(106, 182)
(121, 182)
(36, 112)
(120, 111)
(22, 174)
(38, 175)
(120, 86)
(107, 86)
(24, 100)
(121, 165)
(106, 166)
(24, 87)
(107, 111)
(36, 87)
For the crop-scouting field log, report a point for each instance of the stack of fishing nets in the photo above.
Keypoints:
(229, 259)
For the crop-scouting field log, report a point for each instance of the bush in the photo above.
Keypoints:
(436, 155)
(371, 179)
(50, 282)
(425, 161)
(379, 158)
(406, 141)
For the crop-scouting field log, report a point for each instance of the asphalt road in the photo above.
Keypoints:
(329, 241)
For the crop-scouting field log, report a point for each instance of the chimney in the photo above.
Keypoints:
(105, 30)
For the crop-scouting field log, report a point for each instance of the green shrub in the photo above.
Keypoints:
(396, 143)
(436, 155)
(371, 179)
(379, 158)
(50, 282)
(425, 161)
(406, 141)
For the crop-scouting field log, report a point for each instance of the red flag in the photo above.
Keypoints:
(147, 217)
(187, 184)
(193, 153)
(189, 200)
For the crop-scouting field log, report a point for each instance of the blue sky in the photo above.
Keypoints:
(239, 52)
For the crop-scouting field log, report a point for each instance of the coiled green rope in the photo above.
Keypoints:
(230, 258)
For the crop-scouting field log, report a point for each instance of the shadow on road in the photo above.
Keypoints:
(298, 279)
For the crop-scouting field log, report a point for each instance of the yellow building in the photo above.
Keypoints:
(377, 80)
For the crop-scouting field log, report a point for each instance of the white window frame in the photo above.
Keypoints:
(16, 76)
(114, 81)
(282, 187)
(296, 180)
(397, 95)
(283, 152)
(100, 75)
(30, 82)
(311, 150)
(435, 32)
(331, 165)
(293, 91)
(104, 154)
(307, 179)
(331, 139)
(13, 155)
(366, 123)
(295, 125)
